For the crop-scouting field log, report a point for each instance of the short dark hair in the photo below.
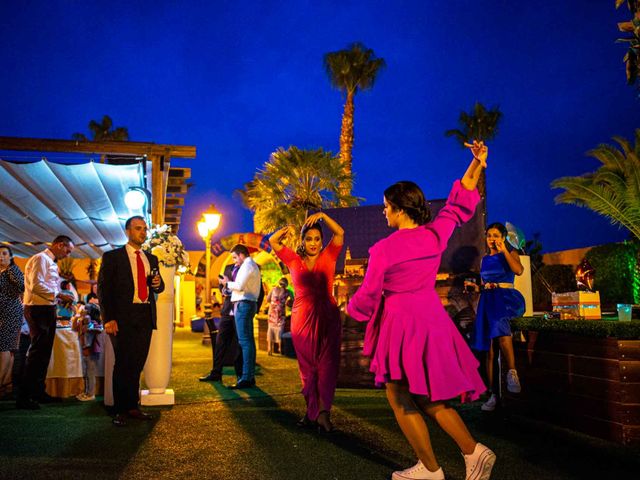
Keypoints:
(408, 197)
(127, 224)
(240, 249)
(7, 247)
(62, 239)
(65, 284)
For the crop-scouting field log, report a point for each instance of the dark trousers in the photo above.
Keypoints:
(226, 342)
(42, 327)
(19, 361)
(130, 348)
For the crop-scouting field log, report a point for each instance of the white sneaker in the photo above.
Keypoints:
(513, 383)
(480, 463)
(490, 405)
(418, 472)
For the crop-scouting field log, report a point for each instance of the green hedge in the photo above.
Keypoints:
(616, 272)
(586, 328)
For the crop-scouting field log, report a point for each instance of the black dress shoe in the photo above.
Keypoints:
(242, 384)
(212, 377)
(140, 415)
(27, 404)
(46, 398)
(119, 420)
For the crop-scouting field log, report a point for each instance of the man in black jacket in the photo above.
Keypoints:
(226, 339)
(127, 282)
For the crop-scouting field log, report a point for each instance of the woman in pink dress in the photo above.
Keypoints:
(315, 319)
(416, 351)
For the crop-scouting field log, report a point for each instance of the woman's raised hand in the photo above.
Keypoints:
(479, 151)
(314, 218)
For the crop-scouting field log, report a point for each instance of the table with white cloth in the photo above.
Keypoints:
(64, 375)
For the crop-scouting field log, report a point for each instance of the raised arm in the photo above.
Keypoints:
(337, 230)
(479, 151)
(278, 237)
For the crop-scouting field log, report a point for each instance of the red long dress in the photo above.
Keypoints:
(316, 326)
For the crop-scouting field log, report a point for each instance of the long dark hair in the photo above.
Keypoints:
(11, 261)
(305, 229)
(408, 197)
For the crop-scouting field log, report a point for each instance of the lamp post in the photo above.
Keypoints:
(206, 228)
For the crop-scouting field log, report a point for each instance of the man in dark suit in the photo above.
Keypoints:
(127, 282)
(226, 339)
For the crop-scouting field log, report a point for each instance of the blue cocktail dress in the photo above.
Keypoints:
(497, 306)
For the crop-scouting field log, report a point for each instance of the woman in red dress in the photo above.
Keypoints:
(315, 319)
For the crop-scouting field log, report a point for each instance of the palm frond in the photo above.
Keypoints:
(292, 183)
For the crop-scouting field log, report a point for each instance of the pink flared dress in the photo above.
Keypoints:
(316, 326)
(410, 337)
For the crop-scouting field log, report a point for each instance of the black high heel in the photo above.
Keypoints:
(322, 428)
(306, 422)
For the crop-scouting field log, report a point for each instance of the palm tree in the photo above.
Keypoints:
(632, 57)
(614, 189)
(351, 70)
(103, 131)
(480, 124)
(292, 183)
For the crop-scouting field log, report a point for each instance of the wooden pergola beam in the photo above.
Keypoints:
(100, 148)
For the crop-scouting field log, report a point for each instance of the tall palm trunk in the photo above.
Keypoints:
(346, 140)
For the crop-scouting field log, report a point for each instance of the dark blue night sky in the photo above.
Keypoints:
(238, 79)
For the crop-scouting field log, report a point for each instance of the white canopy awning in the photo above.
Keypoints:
(41, 200)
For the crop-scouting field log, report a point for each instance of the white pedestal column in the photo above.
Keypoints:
(157, 369)
(523, 285)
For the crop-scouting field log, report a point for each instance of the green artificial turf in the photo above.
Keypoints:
(216, 433)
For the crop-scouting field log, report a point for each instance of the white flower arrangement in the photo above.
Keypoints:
(166, 246)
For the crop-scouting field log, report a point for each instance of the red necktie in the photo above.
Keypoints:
(143, 293)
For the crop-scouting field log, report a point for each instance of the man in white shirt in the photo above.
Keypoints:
(42, 291)
(245, 290)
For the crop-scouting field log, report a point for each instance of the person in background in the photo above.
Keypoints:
(226, 338)
(11, 313)
(66, 309)
(92, 296)
(278, 299)
(42, 292)
(245, 293)
(416, 351)
(316, 325)
(86, 321)
(499, 303)
(20, 357)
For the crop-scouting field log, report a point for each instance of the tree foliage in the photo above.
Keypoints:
(614, 189)
(103, 131)
(292, 183)
(632, 27)
(479, 124)
(351, 70)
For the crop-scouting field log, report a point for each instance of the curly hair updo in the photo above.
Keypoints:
(408, 197)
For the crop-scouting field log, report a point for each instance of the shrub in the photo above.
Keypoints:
(616, 272)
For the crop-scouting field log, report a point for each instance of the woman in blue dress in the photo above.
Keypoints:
(499, 303)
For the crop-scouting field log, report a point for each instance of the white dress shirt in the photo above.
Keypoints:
(247, 283)
(131, 252)
(41, 279)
